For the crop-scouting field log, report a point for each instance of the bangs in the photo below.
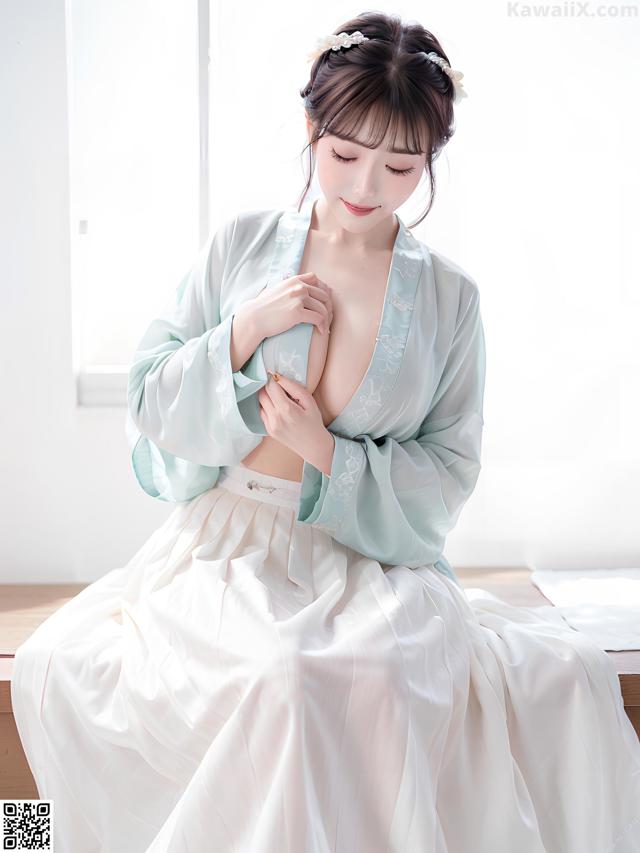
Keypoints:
(384, 95)
(408, 128)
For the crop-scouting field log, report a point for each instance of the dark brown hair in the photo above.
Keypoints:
(388, 79)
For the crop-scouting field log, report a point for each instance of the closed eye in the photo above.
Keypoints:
(351, 159)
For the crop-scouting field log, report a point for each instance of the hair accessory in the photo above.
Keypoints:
(456, 76)
(334, 42)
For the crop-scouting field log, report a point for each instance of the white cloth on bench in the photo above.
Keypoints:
(603, 603)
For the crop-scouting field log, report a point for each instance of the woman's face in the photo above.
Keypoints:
(378, 178)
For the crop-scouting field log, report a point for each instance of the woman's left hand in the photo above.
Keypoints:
(296, 423)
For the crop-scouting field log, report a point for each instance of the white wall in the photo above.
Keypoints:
(547, 227)
(70, 508)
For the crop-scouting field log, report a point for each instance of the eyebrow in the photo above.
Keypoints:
(371, 147)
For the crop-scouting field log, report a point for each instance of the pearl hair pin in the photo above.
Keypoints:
(455, 76)
(346, 40)
(333, 42)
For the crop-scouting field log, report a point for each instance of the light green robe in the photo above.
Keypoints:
(407, 444)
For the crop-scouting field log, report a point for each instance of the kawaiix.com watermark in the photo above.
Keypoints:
(516, 9)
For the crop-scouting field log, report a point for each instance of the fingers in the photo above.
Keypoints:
(311, 278)
(319, 303)
(323, 293)
(323, 306)
(291, 388)
(286, 382)
(265, 399)
(316, 305)
(270, 388)
(320, 319)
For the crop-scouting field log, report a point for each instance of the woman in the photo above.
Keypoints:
(289, 662)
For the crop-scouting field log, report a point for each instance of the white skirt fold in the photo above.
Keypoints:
(248, 684)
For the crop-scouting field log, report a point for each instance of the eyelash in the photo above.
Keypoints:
(351, 159)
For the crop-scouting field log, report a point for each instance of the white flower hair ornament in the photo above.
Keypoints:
(455, 76)
(335, 42)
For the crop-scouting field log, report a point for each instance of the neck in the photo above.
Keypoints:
(381, 237)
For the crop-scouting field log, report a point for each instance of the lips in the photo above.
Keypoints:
(358, 206)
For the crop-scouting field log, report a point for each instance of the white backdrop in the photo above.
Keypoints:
(537, 199)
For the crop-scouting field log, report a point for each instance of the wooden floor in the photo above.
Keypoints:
(23, 607)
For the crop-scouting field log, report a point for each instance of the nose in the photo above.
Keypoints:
(365, 188)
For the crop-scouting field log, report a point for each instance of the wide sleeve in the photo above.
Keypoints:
(188, 413)
(397, 501)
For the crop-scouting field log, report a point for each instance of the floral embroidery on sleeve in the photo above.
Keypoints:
(341, 487)
(289, 364)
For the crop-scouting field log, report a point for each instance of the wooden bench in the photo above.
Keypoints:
(25, 606)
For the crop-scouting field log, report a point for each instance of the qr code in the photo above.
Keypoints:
(26, 825)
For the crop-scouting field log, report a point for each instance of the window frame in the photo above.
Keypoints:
(106, 385)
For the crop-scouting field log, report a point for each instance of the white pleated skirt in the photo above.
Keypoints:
(246, 684)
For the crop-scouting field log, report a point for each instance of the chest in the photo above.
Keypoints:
(339, 361)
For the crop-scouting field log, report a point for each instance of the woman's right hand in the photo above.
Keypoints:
(299, 299)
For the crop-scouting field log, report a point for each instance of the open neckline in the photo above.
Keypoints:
(383, 313)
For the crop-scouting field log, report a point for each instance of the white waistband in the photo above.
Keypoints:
(262, 487)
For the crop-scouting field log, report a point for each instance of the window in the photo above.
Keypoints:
(135, 74)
